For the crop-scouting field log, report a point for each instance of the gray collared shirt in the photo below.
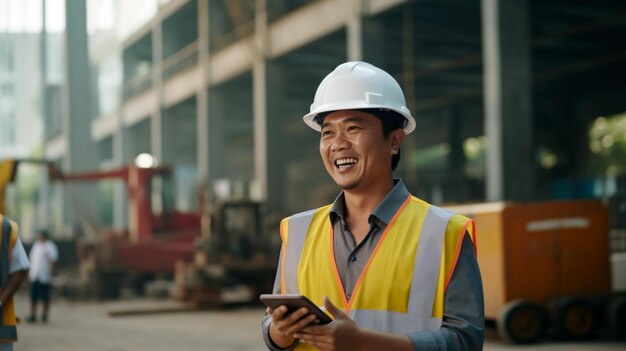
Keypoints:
(463, 318)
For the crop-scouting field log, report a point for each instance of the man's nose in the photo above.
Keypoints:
(340, 143)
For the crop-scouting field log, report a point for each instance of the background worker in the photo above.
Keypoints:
(13, 267)
(395, 272)
(43, 257)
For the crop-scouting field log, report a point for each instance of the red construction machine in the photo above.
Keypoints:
(228, 235)
(157, 235)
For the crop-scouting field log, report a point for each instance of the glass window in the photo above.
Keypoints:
(7, 61)
(110, 73)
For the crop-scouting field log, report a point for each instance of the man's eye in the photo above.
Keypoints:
(325, 133)
(352, 128)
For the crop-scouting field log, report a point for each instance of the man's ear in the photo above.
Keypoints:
(396, 137)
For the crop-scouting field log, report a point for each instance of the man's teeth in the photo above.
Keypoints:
(346, 162)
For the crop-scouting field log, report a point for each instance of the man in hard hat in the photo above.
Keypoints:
(13, 267)
(395, 272)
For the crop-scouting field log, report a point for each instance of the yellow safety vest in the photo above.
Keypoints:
(401, 289)
(7, 174)
(8, 237)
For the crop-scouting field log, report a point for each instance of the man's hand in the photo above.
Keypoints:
(341, 334)
(284, 325)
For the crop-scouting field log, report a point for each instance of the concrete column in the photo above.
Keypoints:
(76, 121)
(121, 155)
(43, 215)
(276, 155)
(120, 195)
(355, 32)
(218, 118)
(406, 168)
(373, 48)
(507, 100)
(202, 108)
(259, 97)
(156, 122)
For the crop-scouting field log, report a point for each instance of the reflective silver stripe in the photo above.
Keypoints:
(394, 322)
(297, 227)
(428, 262)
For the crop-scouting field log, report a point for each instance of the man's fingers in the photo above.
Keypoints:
(334, 310)
(300, 324)
(315, 330)
(281, 313)
(308, 336)
(289, 323)
(317, 341)
(278, 312)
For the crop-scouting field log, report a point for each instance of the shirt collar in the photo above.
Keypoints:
(385, 210)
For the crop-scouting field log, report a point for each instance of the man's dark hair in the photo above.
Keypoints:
(390, 120)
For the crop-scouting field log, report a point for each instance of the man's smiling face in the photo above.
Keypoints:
(355, 153)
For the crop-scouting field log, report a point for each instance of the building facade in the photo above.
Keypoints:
(504, 93)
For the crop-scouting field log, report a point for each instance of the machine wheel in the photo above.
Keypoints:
(616, 313)
(575, 318)
(522, 322)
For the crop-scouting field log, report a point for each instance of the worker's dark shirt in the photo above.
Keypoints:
(463, 318)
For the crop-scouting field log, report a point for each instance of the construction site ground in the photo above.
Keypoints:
(75, 326)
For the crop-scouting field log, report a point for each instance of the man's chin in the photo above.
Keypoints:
(348, 186)
(347, 183)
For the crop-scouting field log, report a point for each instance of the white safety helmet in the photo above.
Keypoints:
(359, 85)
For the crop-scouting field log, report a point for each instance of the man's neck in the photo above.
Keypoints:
(360, 203)
(359, 206)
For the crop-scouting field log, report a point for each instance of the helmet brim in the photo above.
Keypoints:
(310, 120)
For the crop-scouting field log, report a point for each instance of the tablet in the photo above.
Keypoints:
(294, 302)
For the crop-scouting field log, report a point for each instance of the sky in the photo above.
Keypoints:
(122, 17)
(25, 16)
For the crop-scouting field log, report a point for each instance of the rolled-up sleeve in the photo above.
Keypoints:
(463, 325)
(19, 260)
